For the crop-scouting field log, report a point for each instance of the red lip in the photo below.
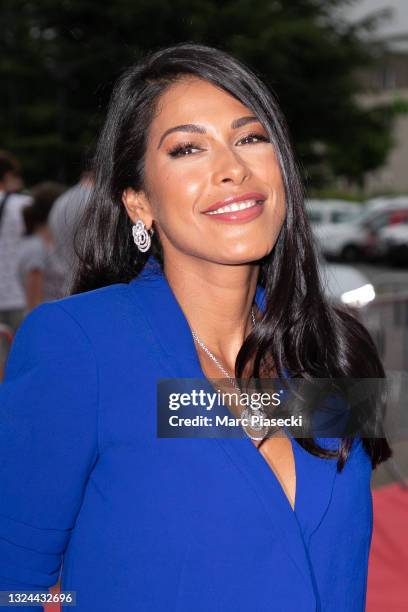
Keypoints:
(233, 199)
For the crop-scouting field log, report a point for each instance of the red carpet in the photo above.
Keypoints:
(388, 566)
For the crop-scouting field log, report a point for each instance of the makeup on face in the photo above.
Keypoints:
(239, 208)
(214, 180)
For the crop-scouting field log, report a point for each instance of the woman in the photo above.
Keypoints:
(196, 262)
(39, 270)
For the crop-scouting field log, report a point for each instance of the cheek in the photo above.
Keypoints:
(277, 209)
(267, 168)
(175, 188)
(268, 171)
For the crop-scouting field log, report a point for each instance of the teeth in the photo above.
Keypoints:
(234, 207)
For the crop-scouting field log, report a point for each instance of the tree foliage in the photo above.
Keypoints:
(59, 59)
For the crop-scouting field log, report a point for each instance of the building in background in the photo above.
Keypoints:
(387, 83)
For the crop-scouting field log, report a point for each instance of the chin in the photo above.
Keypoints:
(248, 257)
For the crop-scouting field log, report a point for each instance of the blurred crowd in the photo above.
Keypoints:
(37, 255)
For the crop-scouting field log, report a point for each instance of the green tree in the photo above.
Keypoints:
(59, 60)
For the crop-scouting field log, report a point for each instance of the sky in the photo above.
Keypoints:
(398, 24)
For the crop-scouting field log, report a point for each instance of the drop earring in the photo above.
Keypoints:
(141, 236)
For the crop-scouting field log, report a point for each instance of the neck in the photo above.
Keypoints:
(216, 300)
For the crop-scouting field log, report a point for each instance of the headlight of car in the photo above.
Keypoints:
(359, 297)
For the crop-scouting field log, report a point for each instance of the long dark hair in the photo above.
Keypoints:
(300, 330)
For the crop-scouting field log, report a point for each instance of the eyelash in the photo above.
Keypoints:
(180, 148)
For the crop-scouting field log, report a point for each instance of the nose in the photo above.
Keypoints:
(229, 167)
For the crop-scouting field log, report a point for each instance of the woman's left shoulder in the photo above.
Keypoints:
(351, 498)
(358, 463)
(353, 481)
(358, 455)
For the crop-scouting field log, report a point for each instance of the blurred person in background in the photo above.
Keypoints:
(63, 221)
(12, 298)
(39, 270)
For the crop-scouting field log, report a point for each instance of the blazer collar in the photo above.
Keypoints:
(161, 308)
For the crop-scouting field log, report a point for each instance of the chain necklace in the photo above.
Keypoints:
(247, 412)
(213, 357)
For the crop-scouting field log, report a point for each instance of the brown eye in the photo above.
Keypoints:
(254, 137)
(183, 149)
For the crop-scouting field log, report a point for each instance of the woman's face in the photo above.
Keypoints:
(205, 148)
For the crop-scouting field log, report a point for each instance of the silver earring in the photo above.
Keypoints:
(141, 236)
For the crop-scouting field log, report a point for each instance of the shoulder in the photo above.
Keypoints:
(102, 321)
(19, 199)
(333, 443)
(16, 203)
(83, 310)
(49, 339)
(91, 309)
(31, 246)
(13, 216)
(358, 465)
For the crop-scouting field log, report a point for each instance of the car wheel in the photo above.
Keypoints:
(399, 256)
(350, 253)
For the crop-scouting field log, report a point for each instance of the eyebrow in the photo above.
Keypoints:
(199, 129)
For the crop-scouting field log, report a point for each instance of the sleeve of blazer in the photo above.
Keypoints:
(48, 444)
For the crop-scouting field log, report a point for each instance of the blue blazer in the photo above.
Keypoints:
(149, 524)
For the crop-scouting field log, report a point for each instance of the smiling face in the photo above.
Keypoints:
(204, 149)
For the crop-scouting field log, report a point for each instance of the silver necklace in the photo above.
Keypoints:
(247, 413)
(219, 365)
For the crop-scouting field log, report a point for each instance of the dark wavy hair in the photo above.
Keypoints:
(300, 330)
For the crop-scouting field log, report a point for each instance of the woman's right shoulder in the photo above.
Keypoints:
(86, 307)
(100, 319)
(87, 312)
(95, 304)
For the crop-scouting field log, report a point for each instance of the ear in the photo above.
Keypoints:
(137, 206)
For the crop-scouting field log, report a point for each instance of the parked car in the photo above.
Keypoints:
(331, 211)
(358, 238)
(387, 202)
(350, 289)
(347, 286)
(393, 244)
